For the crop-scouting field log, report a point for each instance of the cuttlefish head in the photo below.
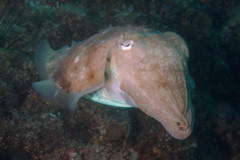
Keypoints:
(152, 71)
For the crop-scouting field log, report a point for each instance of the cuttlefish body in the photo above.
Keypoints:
(125, 67)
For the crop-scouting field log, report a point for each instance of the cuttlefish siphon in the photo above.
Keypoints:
(124, 67)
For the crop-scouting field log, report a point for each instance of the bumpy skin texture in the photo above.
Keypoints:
(150, 66)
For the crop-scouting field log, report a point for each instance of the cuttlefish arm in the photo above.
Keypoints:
(152, 70)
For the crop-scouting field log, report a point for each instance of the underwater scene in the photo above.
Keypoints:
(119, 80)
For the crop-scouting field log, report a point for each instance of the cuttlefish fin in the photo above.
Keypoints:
(48, 89)
(43, 53)
(192, 84)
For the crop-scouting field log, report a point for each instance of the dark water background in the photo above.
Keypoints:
(32, 128)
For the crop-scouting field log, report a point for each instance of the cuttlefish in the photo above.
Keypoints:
(124, 67)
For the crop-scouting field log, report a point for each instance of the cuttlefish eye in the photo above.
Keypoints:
(126, 45)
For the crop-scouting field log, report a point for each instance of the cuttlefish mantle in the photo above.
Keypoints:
(124, 67)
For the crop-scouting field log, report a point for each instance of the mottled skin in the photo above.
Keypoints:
(144, 68)
(156, 78)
